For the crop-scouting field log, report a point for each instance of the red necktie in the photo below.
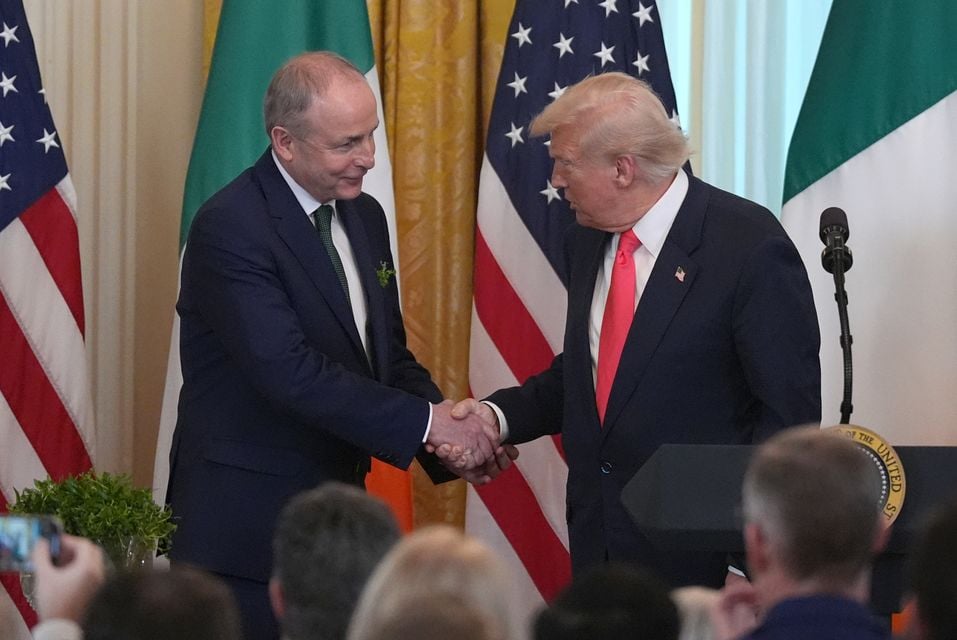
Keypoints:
(619, 310)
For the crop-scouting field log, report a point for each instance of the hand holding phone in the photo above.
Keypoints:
(64, 589)
(20, 533)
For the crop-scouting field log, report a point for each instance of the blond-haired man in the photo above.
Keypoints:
(690, 319)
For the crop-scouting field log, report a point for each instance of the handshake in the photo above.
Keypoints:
(465, 436)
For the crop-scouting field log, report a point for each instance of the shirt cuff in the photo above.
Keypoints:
(57, 629)
(428, 425)
(502, 422)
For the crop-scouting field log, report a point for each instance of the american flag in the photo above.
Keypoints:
(518, 315)
(46, 418)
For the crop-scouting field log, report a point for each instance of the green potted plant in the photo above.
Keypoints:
(105, 508)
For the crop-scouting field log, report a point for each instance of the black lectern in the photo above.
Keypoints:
(689, 497)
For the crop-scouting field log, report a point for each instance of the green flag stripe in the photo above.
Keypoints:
(880, 64)
(254, 38)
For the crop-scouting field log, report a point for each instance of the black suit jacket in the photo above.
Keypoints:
(278, 393)
(725, 354)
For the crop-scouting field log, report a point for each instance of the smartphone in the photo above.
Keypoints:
(18, 535)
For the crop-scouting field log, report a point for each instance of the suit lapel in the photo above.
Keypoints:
(351, 219)
(589, 251)
(302, 239)
(671, 280)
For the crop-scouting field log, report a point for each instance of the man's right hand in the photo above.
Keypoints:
(504, 454)
(462, 443)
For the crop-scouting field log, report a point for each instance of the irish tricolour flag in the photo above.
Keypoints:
(877, 136)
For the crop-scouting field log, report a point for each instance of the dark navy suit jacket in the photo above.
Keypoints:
(725, 354)
(278, 393)
(822, 617)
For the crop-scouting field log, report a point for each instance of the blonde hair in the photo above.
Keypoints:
(694, 611)
(619, 115)
(437, 561)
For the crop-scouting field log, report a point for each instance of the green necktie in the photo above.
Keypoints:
(323, 218)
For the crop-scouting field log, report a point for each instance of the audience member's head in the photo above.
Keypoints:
(162, 605)
(327, 542)
(438, 562)
(610, 601)
(435, 617)
(812, 516)
(933, 577)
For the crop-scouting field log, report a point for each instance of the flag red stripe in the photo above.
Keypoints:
(11, 582)
(35, 403)
(53, 229)
(506, 320)
(545, 558)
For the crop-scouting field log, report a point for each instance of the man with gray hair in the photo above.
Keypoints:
(295, 365)
(327, 543)
(812, 526)
(690, 320)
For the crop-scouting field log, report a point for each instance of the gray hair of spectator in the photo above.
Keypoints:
(297, 83)
(438, 561)
(816, 495)
(162, 605)
(617, 115)
(327, 543)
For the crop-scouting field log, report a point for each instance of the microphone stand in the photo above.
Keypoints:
(840, 295)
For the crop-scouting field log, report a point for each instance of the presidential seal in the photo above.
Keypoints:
(888, 466)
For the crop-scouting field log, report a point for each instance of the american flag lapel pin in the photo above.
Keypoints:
(680, 274)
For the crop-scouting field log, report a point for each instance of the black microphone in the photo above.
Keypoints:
(834, 234)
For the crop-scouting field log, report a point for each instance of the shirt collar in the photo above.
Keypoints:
(653, 227)
(303, 197)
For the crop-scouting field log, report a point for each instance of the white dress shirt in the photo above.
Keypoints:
(652, 229)
(341, 241)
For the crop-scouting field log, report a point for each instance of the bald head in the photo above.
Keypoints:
(300, 81)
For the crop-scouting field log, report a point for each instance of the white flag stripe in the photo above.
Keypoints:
(521, 258)
(480, 523)
(488, 370)
(893, 309)
(378, 182)
(168, 412)
(10, 616)
(540, 463)
(48, 324)
(68, 194)
(546, 474)
(21, 464)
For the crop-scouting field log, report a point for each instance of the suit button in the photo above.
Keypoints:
(606, 467)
